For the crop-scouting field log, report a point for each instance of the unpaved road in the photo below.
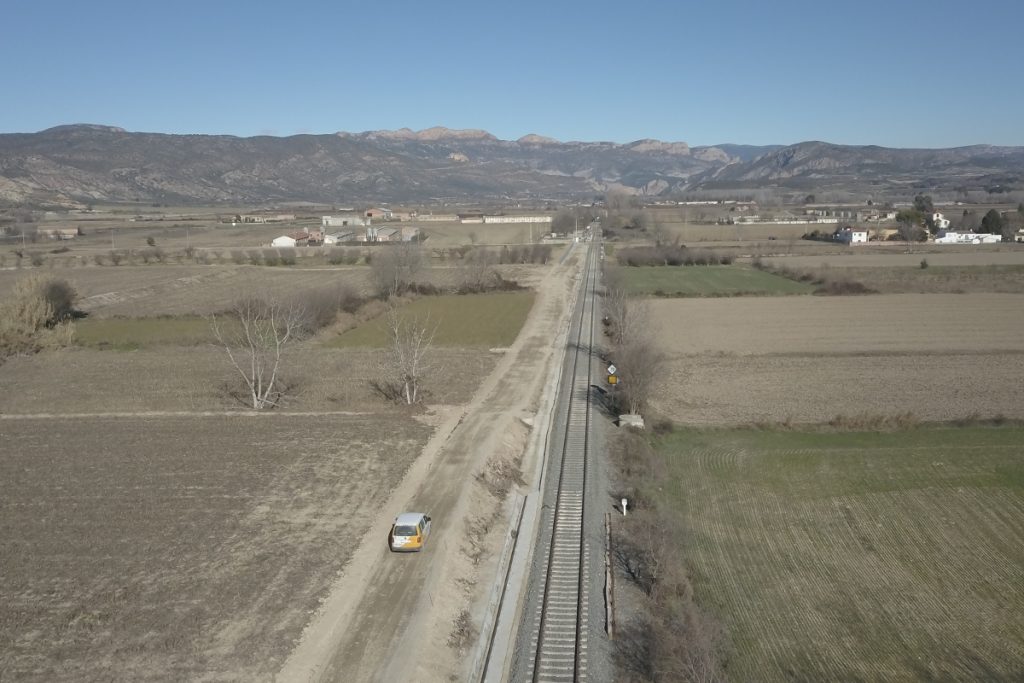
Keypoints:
(389, 617)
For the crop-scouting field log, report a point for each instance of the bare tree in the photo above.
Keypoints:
(406, 361)
(476, 273)
(629, 327)
(911, 232)
(621, 315)
(257, 335)
(639, 363)
(394, 267)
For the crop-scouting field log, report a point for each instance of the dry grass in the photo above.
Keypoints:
(1007, 279)
(171, 289)
(180, 548)
(196, 379)
(897, 257)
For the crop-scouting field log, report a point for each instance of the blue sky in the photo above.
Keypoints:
(898, 73)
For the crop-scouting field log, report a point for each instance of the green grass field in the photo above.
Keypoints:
(856, 556)
(129, 334)
(707, 281)
(473, 320)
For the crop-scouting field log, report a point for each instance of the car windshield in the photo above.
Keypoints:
(402, 530)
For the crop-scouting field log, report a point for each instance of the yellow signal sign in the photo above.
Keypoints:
(613, 379)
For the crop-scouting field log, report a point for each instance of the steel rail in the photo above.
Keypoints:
(561, 621)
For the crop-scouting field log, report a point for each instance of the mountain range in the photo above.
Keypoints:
(79, 164)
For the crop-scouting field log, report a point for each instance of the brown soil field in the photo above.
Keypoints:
(809, 359)
(709, 390)
(180, 548)
(898, 323)
(199, 379)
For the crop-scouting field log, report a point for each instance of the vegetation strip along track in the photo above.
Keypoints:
(560, 624)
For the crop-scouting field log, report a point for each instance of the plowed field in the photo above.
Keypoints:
(175, 548)
(810, 359)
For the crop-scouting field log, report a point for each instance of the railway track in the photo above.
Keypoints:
(559, 630)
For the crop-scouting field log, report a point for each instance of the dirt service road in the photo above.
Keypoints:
(389, 617)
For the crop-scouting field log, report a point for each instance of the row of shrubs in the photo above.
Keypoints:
(671, 255)
(256, 257)
(531, 253)
(668, 636)
(828, 284)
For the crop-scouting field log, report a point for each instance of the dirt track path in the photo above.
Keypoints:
(388, 616)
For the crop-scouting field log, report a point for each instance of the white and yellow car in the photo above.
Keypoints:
(409, 532)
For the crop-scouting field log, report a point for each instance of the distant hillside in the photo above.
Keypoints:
(820, 165)
(77, 164)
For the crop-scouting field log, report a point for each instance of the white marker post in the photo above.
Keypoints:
(624, 504)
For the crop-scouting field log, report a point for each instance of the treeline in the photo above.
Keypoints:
(670, 255)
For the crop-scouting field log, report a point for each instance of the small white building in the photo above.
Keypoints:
(850, 235)
(940, 221)
(283, 241)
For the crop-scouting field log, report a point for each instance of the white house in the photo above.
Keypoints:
(283, 241)
(940, 221)
(850, 235)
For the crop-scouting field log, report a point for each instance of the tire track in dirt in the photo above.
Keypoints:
(380, 603)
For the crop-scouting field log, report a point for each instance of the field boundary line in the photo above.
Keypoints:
(182, 413)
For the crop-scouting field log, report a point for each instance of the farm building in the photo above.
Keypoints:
(387, 235)
(60, 233)
(954, 237)
(517, 219)
(379, 212)
(850, 235)
(291, 240)
(350, 219)
(339, 237)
